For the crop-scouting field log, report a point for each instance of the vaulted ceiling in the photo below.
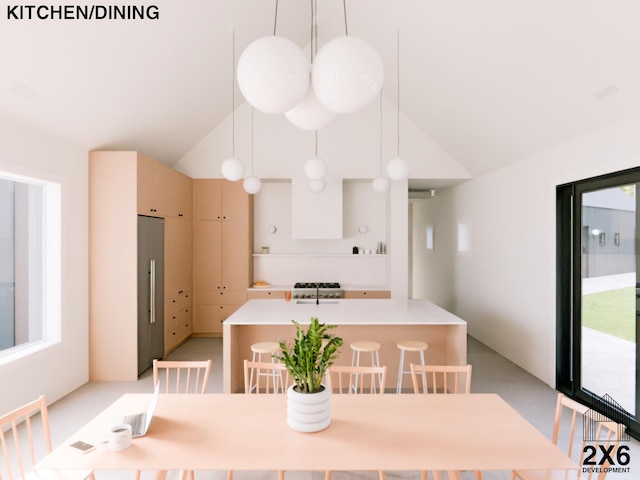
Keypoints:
(490, 81)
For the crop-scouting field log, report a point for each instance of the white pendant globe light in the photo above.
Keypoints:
(380, 184)
(315, 169)
(273, 74)
(232, 169)
(316, 186)
(252, 184)
(398, 169)
(347, 74)
(310, 114)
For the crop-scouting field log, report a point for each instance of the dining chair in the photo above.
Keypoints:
(275, 380)
(571, 420)
(25, 438)
(341, 380)
(270, 377)
(442, 379)
(182, 376)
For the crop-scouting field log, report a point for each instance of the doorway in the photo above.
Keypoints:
(597, 309)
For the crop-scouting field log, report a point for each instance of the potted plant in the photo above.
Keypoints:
(307, 360)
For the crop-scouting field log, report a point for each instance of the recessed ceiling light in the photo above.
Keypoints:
(22, 91)
(605, 92)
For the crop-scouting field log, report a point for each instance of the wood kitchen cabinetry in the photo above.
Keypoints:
(123, 184)
(363, 294)
(178, 320)
(223, 224)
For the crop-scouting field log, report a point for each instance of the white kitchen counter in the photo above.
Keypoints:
(385, 321)
(343, 312)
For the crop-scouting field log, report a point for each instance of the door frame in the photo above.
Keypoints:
(569, 265)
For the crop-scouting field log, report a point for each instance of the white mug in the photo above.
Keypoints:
(118, 437)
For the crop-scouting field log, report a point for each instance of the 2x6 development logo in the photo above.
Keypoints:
(606, 455)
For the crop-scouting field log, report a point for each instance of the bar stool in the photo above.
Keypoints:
(365, 346)
(409, 346)
(258, 349)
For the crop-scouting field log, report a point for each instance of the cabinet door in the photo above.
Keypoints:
(207, 254)
(235, 201)
(207, 199)
(151, 187)
(178, 256)
(179, 198)
(236, 258)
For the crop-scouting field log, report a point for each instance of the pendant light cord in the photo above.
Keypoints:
(380, 133)
(252, 140)
(344, 8)
(275, 19)
(233, 92)
(398, 73)
(314, 29)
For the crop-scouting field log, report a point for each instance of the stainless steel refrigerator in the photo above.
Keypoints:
(150, 291)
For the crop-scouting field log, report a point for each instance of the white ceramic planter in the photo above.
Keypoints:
(308, 412)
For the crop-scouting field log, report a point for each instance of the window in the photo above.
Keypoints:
(598, 309)
(29, 265)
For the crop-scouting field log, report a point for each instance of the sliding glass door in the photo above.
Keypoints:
(597, 350)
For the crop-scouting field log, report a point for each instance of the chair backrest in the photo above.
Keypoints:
(356, 379)
(265, 377)
(189, 376)
(24, 438)
(572, 420)
(441, 378)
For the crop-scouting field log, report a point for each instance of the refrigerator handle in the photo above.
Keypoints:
(152, 291)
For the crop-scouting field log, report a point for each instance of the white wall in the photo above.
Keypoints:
(57, 370)
(505, 287)
(294, 260)
(352, 149)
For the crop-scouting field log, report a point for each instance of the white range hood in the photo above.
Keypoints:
(316, 215)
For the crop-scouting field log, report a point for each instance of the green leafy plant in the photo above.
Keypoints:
(307, 359)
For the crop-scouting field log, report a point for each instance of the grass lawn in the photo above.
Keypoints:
(612, 312)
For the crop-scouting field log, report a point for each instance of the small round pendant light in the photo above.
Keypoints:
(316, 186)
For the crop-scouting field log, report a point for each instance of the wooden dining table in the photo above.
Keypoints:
(367, 432)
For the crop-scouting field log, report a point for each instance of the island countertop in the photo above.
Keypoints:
(343, 312)
(386, 321)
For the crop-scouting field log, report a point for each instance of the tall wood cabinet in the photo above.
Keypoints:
(222, 238)
(123, 185)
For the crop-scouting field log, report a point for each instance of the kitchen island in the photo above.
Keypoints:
(385, 321)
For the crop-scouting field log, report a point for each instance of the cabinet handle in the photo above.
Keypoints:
(152, 291)
(180, 215)
(180, 291)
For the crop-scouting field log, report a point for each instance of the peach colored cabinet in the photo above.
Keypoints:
(151, 180)
(178, 284)
(366, 294)
(279, 294)
(178, 256)
(223, 219)
(179, 195)
(121, 185)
